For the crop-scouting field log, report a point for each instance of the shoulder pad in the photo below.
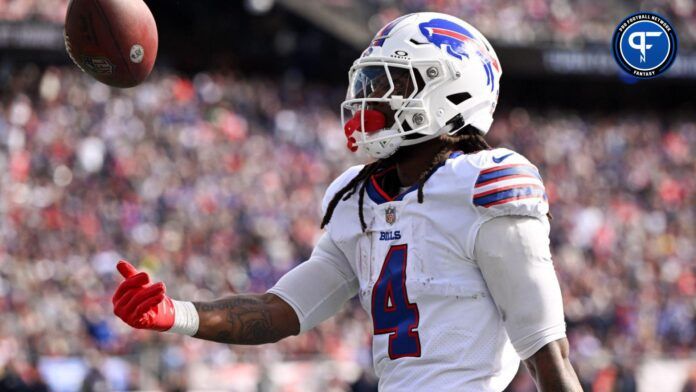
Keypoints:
(507, 184)
(339, 183)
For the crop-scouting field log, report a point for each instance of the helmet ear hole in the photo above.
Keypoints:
(458, 97)
(455, 124)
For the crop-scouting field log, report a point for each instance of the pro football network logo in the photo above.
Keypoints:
(645, 45)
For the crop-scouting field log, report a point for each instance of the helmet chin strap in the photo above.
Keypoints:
(424, 138)
(385, 147)
(457, 124)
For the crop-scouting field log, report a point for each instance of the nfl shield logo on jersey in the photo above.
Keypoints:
(390, 215)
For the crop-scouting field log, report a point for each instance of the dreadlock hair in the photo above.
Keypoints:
(468, 140)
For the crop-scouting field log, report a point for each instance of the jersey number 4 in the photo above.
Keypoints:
(391, 311)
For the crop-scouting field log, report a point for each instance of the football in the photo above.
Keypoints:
(115, 41)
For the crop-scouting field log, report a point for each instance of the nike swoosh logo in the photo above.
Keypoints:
(500, 159)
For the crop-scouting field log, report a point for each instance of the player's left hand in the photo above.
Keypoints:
(142, 304)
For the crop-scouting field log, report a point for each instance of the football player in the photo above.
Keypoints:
(444, 239)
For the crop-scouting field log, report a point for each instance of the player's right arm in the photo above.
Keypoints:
(246, 319)
(307, 295)
(304, 297)
(238, 319)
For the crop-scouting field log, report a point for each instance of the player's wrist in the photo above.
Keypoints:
(186, 319)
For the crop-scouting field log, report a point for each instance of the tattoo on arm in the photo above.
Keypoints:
(551, 369)
(246, 319)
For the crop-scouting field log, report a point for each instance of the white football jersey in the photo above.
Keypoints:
(436, 327)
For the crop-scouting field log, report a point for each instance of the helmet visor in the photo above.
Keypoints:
(382, 81)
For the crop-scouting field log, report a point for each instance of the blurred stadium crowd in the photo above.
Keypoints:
(42, 10)
(543, 22)
(214, 183)
(538, 22)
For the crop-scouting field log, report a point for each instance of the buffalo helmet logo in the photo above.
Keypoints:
(459, 43)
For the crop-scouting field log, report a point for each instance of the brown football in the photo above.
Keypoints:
(115, 41)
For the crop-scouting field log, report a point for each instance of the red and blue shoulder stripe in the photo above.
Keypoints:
(507, 183)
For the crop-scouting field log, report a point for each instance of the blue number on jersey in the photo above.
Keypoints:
(391, 311)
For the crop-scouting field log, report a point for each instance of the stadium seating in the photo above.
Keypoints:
(213, 184)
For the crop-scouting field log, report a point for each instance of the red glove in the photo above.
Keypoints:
(140, 303)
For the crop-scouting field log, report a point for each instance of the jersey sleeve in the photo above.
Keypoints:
(506, 183)
(513, 254)
(318, 288)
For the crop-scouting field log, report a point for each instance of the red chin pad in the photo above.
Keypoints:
(374, 121)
